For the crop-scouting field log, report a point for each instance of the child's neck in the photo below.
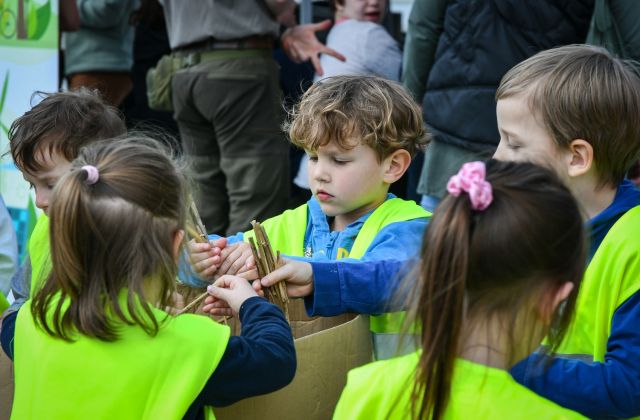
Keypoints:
(341, 221)
(484, 342)
(593, 198)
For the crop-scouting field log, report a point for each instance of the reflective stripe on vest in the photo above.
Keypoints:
(613, 275)
(382, 390)
(135, 377)
(39, 253)
(287, 231)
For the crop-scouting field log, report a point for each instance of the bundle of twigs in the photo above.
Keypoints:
(266, 262)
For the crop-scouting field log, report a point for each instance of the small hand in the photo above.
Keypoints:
(236, 258)
(298, 276)
(205, 257)
(231, 290)
(301, 44)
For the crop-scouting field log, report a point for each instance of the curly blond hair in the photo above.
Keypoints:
(349, 110)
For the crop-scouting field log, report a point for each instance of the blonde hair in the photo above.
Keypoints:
(583, 92)
(111, 236)
(343, 109)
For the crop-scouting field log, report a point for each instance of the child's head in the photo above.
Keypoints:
(495, 273)
(574, 108)
(360, 134)
(48, 137)
(116, 225)
(369, 10)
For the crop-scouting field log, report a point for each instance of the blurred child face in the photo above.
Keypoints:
(54, 167)
(524, 138)
(369, 10)
(346, 183)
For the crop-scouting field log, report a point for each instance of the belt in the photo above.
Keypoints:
(254, 42)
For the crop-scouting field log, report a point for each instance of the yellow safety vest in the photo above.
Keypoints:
(39, 253)
(135, 377)
(613, 275)
(382, 390)
(286, 233)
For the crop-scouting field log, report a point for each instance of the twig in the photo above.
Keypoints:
(266, 262)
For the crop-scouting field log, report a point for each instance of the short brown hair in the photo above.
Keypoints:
(338, 109)
(583, 92)
(62, 122)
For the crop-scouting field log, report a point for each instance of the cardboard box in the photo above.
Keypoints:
(326, 348)
(6, 386)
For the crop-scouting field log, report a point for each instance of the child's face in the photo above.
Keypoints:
(54, 167)
(369, 10)
(346, 183)
(524, 138)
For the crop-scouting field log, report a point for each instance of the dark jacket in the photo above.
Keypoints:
(479, 41)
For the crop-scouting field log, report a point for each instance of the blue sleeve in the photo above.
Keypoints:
(21, 285)
(261, 360)
(597, 390)
(397, 241)
(353, 286)
(186, 274)
(7, 332)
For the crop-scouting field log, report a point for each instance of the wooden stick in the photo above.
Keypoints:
(194, 302)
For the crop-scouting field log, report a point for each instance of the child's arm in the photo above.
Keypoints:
(261, 360)
(7, 332)
(596, 390)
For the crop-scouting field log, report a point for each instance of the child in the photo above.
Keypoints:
(575, 109)
(499, 256)
(360, 134)
(43, 143)
(366, 45)
(368, 48)
(94, 342)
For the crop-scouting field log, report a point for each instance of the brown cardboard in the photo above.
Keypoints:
(326, 348)
(6, 386)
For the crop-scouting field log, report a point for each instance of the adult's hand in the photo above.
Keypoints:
(301, 44)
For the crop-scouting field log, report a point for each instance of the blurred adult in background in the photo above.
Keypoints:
(616, 26)
(227, 103)
(456, 52)
(99, 54)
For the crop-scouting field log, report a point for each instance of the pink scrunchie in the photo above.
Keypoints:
(92, 174)
(471, 179)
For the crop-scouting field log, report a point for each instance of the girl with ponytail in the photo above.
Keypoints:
(501, 263)
(95, 341)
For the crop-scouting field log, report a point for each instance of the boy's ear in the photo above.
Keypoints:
(580, 158)
(395, 165)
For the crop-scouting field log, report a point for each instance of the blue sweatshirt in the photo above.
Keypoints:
(609, 389)
(397, 241)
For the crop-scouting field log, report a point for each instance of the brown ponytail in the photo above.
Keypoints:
(492, 263)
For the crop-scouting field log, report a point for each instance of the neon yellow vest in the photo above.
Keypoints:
(4, 303)
(39, 253)
(613, 275)
(286, 233)
(135, 377)
(382, 390)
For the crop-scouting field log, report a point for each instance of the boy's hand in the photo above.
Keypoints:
(205, 257)
(236, 259)
(301, 44)
(298, 276)
(233, 291)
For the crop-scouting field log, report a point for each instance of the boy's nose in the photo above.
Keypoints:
(42, 201)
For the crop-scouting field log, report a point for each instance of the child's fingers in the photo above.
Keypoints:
(201, 266)
(230, 259)
(249, 274)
